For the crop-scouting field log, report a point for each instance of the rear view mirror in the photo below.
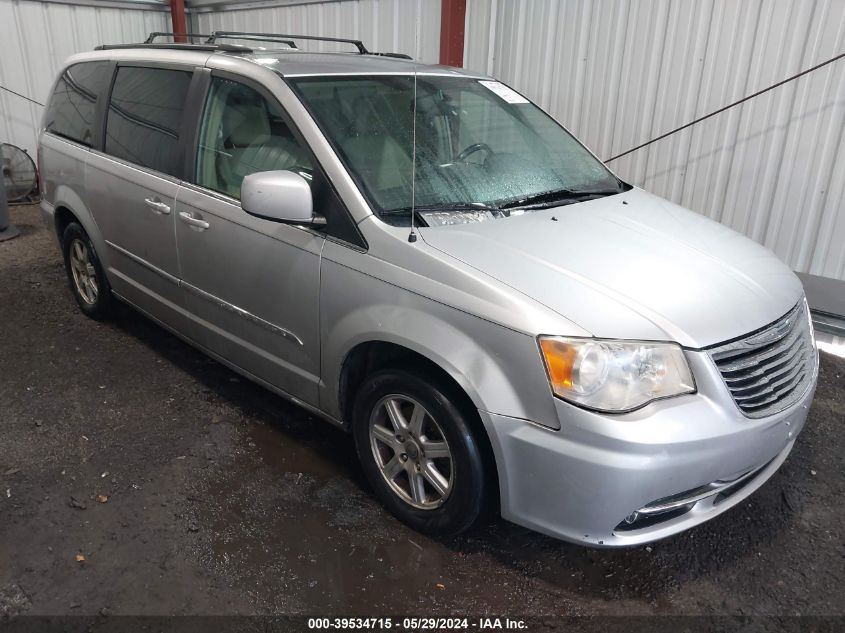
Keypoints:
(282, 196)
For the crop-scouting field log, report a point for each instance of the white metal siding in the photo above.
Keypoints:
(383, 25)
(620, 72)
(36, 38)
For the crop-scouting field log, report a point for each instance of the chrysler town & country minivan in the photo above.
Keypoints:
(422, 256)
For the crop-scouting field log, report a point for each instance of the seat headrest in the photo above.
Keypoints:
(367, 120)
(244, 124)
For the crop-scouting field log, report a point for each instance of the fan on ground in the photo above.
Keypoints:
(19, 175)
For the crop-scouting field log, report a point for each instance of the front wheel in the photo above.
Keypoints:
(419, 452)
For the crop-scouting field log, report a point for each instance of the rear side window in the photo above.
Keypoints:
(72, 111)
(145, 117)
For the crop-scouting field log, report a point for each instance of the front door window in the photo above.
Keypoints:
(243, 133)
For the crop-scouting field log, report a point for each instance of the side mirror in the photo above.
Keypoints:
(282, 196)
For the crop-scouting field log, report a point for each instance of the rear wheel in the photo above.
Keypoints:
(419, 452)
(88, 283)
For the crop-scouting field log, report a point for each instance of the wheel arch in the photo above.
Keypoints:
(373, 355)
(368, 357)
(63, 216)
(69, 207)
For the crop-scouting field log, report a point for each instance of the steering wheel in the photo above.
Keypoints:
(469, 150)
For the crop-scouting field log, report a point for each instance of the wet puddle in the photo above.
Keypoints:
(296, 517)
(292, 521)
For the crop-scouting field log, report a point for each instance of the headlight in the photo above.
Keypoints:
(615, 376)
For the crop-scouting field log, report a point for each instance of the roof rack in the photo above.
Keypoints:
(362, 50)
(225, 48)
(156, 34)
(211, 44)
(254, 37)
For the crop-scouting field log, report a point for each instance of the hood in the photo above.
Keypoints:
(630, 266)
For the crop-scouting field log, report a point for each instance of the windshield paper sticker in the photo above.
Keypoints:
(511, 96)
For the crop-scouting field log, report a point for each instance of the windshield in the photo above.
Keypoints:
(478, 143)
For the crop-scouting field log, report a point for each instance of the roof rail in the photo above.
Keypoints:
(156, 34)
(396, 55)
(223, 48)
(234, 34)
(254, 37)
(211, 44)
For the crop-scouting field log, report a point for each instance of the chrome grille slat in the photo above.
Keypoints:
(752, 399)
(769, 370)
(756, 359)
(773, 386)
(787, 370)
(733, 353)
(784, 346)
(773, 397)
(764, 370)
(766, 336)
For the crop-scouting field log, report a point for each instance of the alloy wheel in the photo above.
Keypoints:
(84, 273)
(411, 452)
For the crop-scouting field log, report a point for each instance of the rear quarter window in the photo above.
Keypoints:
(72, 111)
(145, 117)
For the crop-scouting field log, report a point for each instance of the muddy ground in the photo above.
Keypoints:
(137, 476)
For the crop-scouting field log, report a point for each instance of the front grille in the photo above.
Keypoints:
(769, 370)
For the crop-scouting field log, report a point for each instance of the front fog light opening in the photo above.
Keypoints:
(638, 521)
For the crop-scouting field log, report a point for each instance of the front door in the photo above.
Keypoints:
(253, 285)
(132, 188)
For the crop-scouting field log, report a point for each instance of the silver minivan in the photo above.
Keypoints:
(422, 256)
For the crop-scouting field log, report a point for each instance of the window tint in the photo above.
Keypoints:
(242, 133)
(145, 116)
(73, 106)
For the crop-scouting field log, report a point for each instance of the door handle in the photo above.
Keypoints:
(194, 223)
(157, 207)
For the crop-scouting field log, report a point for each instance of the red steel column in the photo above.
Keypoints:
(177, 17)
(452, 16)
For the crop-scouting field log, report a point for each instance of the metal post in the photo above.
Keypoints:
(452, 17)
(177, 18)
(7, 229)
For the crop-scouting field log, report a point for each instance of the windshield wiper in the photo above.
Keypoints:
(443, 206)
(557, 197)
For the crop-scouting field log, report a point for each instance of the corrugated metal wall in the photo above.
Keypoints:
(616, 72)
(619, 72)
(36, 37)
(383, 25)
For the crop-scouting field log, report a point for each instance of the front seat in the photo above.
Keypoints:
(376, 154)
(250, 146)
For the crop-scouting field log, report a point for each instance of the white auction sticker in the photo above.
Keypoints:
(509, 95)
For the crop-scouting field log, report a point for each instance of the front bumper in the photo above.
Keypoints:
(581, 482)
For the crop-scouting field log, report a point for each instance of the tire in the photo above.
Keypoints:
(444, 425)
(88, 282)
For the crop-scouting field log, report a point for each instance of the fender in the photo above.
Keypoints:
(499, 369)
